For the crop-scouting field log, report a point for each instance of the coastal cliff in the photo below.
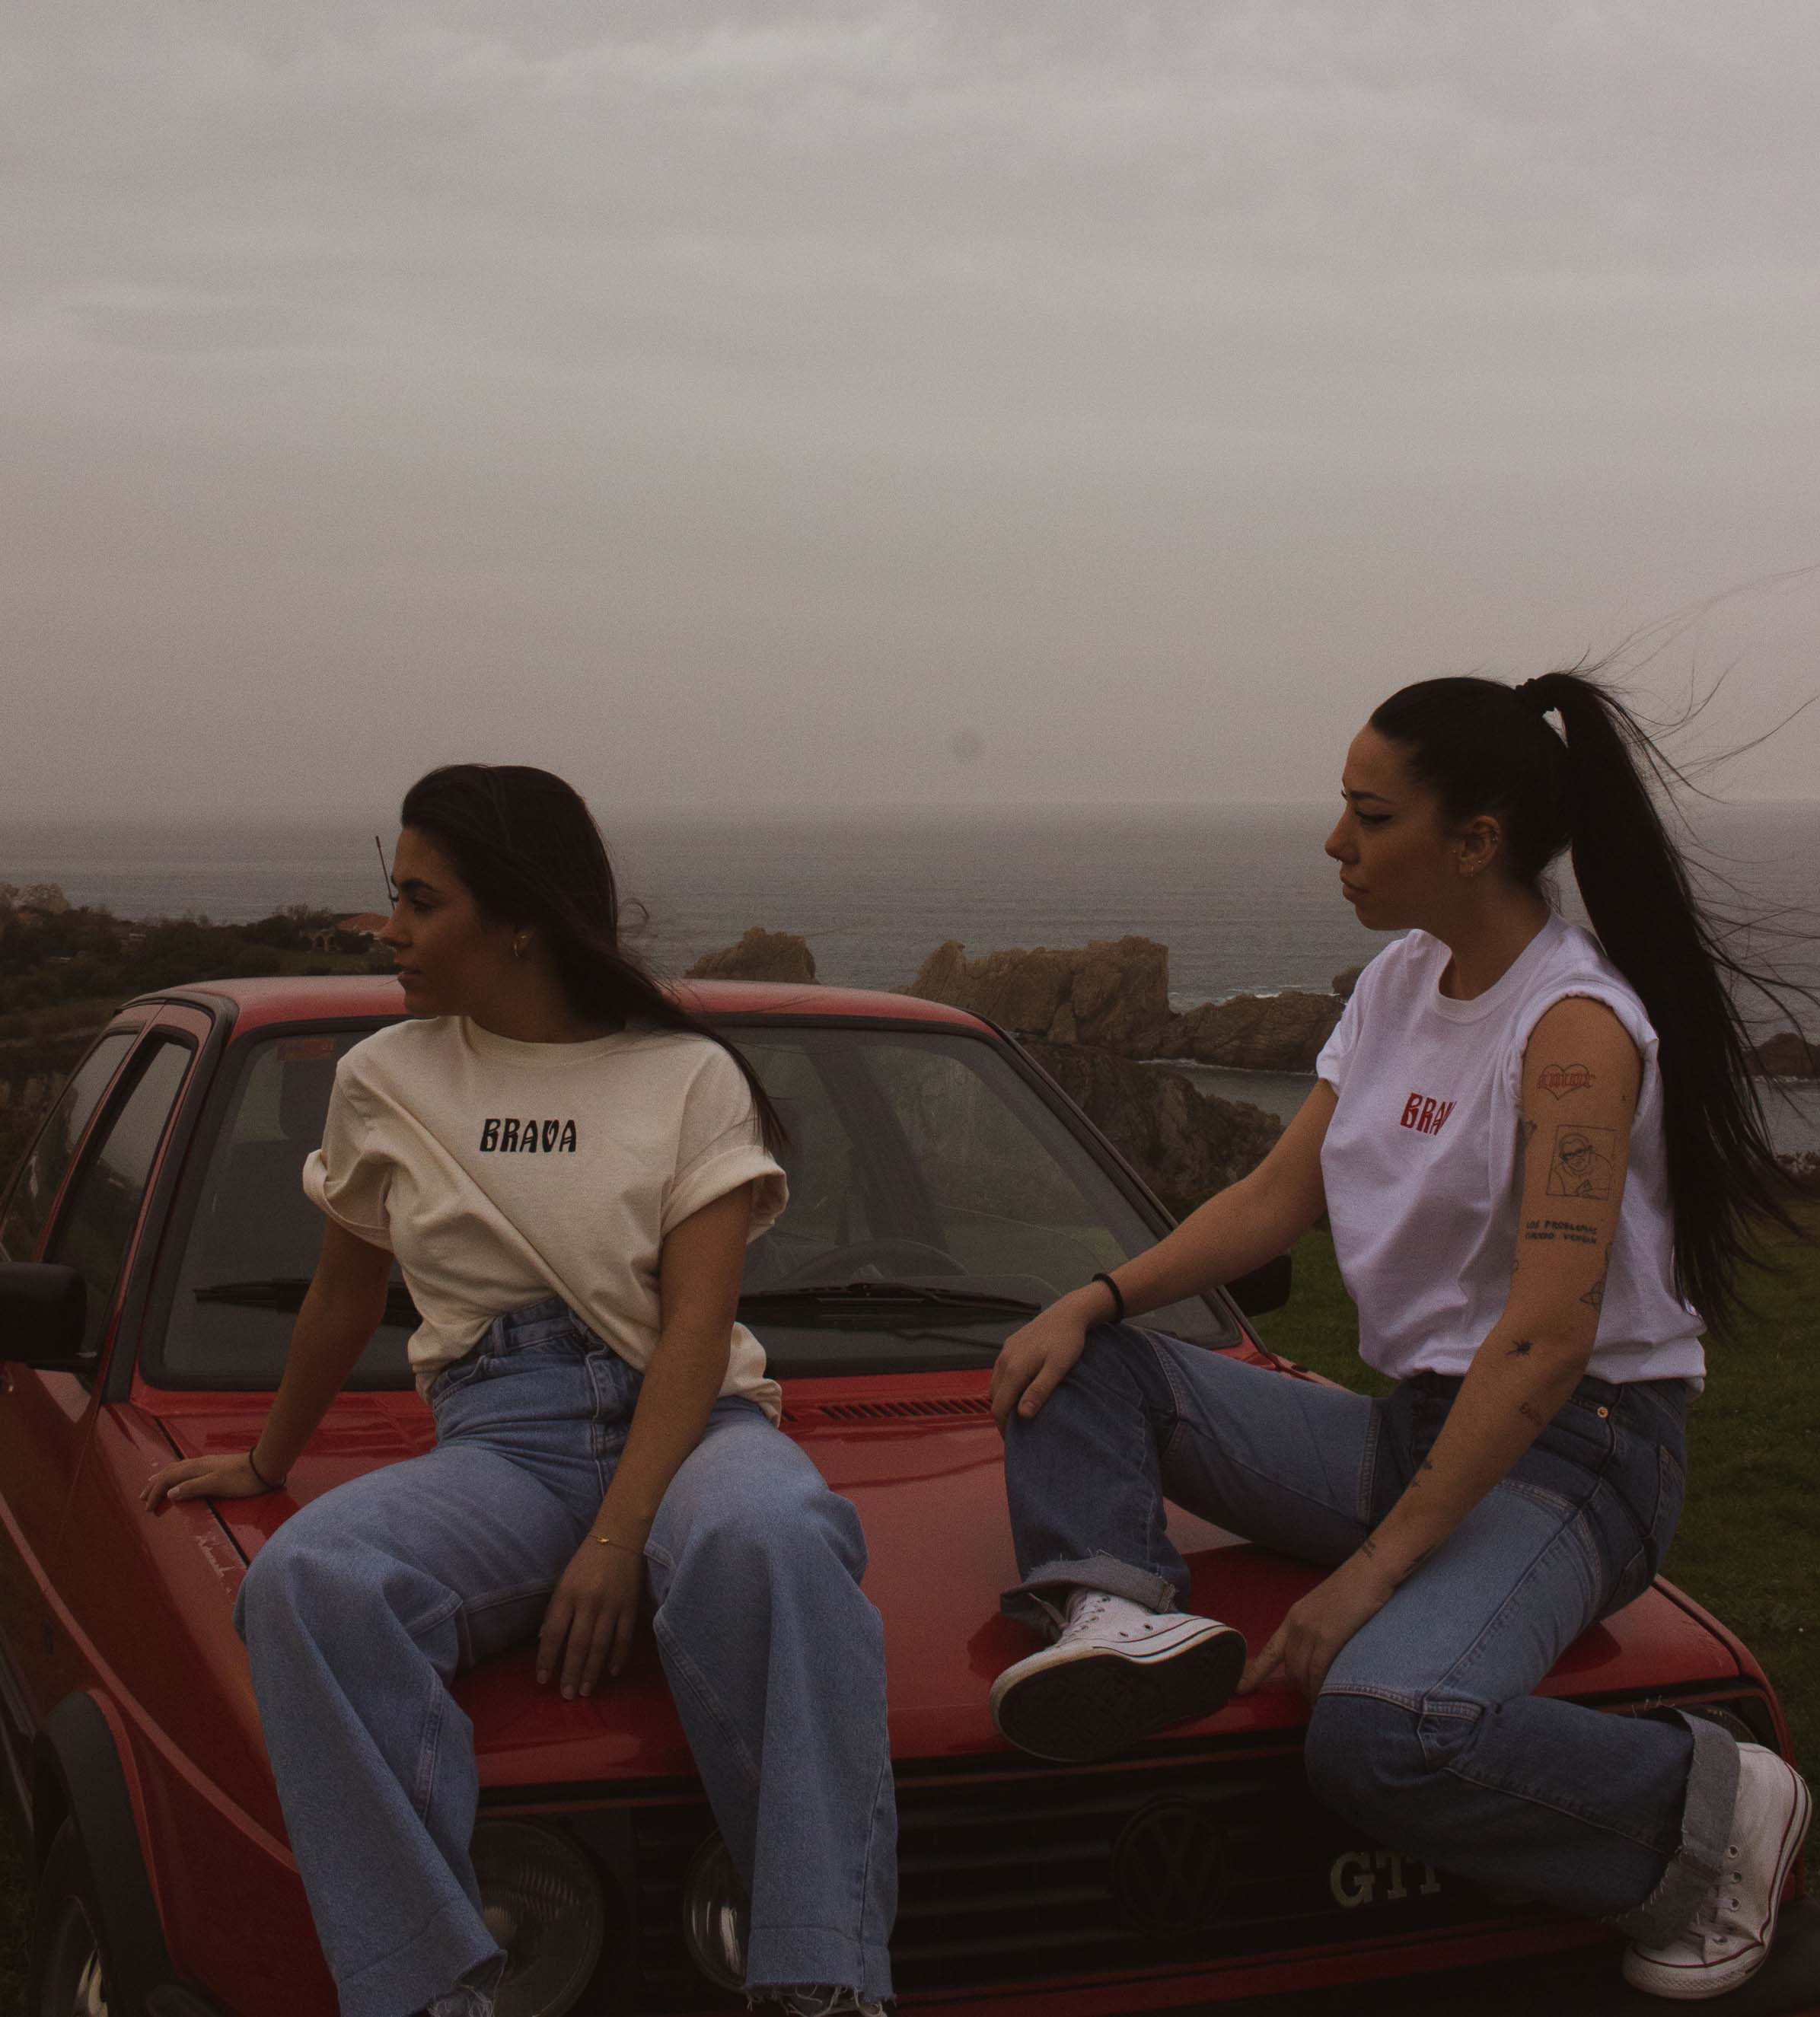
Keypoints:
(1113, 995)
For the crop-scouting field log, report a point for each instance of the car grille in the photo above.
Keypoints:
(1181, 1861)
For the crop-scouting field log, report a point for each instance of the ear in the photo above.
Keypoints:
(1477, 844)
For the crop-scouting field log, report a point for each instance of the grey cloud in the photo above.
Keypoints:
(771, 378)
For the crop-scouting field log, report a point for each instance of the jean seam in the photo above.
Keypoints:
(698, 1687)
(1585, 1816)
(1499, 1620)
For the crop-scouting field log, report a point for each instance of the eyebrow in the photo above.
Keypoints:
(415, 885)
(1355, 796)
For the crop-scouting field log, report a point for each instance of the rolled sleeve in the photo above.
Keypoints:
(719, 1147)
(347, 1178)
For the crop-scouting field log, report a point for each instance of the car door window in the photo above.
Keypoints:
(95, 1229)
(35, 1187)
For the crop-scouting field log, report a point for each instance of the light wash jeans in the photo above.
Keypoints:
(1426, 1733)
(362, 1606)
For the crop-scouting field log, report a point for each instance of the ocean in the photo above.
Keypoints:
(1241, 894)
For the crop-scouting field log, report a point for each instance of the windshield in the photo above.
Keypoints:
(936, 1201)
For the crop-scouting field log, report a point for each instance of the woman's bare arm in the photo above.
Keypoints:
(594, 1611)
(1236, 1230)
(341, 1310)
(1576, 1135)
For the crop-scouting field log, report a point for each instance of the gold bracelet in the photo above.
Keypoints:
(607, 1541)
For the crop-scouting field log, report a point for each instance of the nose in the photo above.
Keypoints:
(1338, 844)
(394, 934)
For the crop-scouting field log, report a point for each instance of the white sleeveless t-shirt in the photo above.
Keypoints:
(1423, 1177)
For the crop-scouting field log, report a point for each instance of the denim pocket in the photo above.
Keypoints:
(1651, 1483)
(458, 1373)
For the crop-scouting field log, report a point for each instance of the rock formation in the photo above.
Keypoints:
(1787, 1056)
(1279, 1033)
(759, 955)
(1187, 1144)
(1345, 983)
(1111, 995)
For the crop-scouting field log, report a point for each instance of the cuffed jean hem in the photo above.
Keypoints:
(780, 1957)
(1712, 1795)
(1026, 1602)
(436, 1958)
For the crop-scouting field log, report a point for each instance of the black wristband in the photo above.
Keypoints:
(253, 1467)
(1118, 1300)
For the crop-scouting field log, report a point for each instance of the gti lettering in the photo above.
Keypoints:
(510, 1136)
(1353, 1878)
(1425, 1115)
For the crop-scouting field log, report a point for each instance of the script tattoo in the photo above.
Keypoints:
(1561, 1079)
(1595, 1298)
(1573, 1231)
(1582, 1163)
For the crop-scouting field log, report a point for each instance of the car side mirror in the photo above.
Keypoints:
(44, 1309)
(1266, 1288)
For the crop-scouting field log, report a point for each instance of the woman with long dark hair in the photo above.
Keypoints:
(567, 1167)
(1542, 1157)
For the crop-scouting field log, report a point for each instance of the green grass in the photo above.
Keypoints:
(1746, 1549)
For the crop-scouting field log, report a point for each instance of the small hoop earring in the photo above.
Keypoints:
(518, 945)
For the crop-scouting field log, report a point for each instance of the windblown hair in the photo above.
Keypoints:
(527, 847)
(1482, 748)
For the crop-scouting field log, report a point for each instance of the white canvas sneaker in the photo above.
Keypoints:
(1116, 1673)
(1728, 1940)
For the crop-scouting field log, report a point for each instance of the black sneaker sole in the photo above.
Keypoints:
(1095, 1707)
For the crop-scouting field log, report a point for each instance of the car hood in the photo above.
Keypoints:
(921, 1459)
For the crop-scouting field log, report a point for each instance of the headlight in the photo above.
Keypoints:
(542, 1902)
(717, 1917)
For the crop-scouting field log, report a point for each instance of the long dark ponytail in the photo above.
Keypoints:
(1482, 747)
(527, 847)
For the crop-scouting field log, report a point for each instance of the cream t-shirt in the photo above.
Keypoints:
(500, 1172)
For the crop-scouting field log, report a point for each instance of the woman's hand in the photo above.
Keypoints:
(1309, 1640)
(593, 1614)
(204, 1477)
(1035, 1360)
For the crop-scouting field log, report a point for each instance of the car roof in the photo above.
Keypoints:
(342, 997)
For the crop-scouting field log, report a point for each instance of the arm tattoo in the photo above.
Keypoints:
(1532, 1415)
(1583, 1162)
(1595, 1298)
(1522, 1349)
(1561, 1079)
(1575, 1232)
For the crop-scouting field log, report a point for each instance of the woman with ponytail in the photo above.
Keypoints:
(567, 1167)
(1541, 1155)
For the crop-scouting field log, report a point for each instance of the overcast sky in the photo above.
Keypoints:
(811, 404)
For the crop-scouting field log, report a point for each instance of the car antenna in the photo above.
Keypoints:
(379, 848)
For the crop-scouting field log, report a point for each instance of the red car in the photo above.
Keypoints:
(154, 1244)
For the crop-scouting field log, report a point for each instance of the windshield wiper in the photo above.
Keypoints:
(915, 1295)
(287, 1292)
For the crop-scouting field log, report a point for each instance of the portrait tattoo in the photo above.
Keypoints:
(1561, 1079)
(1582, 1163)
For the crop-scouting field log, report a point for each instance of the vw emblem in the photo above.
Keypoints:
(1168, 1869)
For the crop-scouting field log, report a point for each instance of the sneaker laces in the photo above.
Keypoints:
(1714, 1923)
(1088, 1611)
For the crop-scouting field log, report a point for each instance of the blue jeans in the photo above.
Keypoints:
(363, 1604)
(1426, 1733)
